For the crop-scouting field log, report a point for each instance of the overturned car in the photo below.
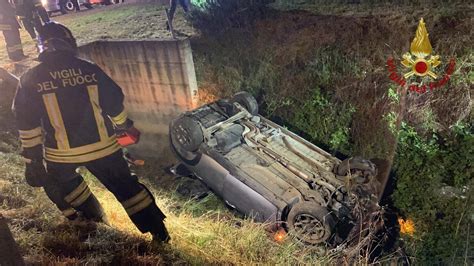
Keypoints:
(269, 173)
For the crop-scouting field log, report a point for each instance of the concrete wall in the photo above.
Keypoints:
(158, 80)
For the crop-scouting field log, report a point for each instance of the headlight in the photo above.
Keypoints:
(44, 2)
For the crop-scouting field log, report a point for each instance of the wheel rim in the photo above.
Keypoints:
(310, 228)
(182, 135)
(69, 6)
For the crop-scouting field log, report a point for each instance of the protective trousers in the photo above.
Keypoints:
(32, 14)
(173, 4)
(13, 41)
(71, 194)
(30, 23)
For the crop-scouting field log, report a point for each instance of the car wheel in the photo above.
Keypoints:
(186, 134)
(361, 170)
(247, 101)
(310, 223)
(69, 6)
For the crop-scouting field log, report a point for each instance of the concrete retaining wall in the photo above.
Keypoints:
(158, 80)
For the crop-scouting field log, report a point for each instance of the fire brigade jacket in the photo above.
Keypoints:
(69, 105)
(7, 16)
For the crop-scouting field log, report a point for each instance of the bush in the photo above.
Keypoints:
(296, 3)
(216, 16)
(424, 168)
(324, 121)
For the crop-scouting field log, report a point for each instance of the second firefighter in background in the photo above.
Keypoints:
(32, 15)
(68, 111)
(10, 28)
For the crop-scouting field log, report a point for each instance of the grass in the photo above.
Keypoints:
(364, 7)
(341, 50)
(121, 23)
(202, 231)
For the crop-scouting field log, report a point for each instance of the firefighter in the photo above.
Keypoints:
(32, 15)
(10, 28)
(68, 112)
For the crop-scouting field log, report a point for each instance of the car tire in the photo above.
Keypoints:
(186, 134)
(310, 223)
(247, 101)
(361, 170)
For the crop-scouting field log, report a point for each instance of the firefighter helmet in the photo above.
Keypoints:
(54, 36)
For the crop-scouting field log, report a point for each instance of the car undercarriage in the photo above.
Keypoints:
(269, 173)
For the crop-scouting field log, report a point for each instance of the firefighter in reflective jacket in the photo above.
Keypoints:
(9, 26)
(68, 111)
(32, 15)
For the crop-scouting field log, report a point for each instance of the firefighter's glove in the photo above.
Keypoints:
(120, 128)
(127, 130)
(35, 174)
(35, 171)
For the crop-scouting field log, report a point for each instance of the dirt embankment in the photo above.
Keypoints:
(294, 50)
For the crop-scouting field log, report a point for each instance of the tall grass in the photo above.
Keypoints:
(201, 231)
